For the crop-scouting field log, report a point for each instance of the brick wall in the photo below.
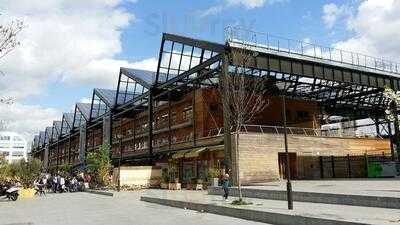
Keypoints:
(259, 152)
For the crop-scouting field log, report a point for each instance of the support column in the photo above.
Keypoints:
(82, 143)
(392, 149)
(58, 153)
(396, 138)
(169, 121)
(69, 147)
(107, 129)
(150, 120)
(226, 115)
(46, 158)
(378, 133)
(194, 113)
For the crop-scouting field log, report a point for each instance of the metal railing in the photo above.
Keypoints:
(296, 47)
(278, 130)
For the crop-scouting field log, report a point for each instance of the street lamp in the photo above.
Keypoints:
(119, 136)
(289, 193)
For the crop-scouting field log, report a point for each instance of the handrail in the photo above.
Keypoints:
(280, 44)
(279, 130)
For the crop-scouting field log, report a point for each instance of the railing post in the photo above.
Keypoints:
(333, 166)
(348, 165)
(321, 167)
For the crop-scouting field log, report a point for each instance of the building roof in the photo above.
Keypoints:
(144, 77)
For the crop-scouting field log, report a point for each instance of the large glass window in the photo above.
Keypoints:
(187, 113)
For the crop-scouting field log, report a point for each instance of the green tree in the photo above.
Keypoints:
(99, 165)
(26, 172)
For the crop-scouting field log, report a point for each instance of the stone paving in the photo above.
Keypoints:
(367, 215)
(389, 187)
(87, 209)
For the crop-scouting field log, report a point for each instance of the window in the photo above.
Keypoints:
(187, 113)
(16, 138)
(18, 153)
(302, 115)
(173, 117)
(4, 138)
(214, 107)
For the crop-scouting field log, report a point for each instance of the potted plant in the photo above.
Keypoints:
(191, 184)
(213, 175)
(164, 178)
(174, 181)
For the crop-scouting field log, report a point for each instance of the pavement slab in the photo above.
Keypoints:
(124, 208)
(356, 214)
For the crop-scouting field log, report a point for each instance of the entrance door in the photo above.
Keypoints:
(292, 164)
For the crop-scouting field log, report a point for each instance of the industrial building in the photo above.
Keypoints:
(174, 118)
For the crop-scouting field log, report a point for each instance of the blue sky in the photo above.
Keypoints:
(69, 47)
(141, 39)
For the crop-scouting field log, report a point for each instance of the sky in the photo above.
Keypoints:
(68, 47)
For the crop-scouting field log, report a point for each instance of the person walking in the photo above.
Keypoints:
(225, 186)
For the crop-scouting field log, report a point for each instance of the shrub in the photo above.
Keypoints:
(65, 168)
(99, 165)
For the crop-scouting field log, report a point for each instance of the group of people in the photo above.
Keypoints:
(59, 183)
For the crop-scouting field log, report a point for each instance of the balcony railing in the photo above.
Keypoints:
(300, 48)
(278, 130)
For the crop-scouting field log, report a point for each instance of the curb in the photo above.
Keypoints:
(248, 214)
(105, 193)
(315, 197)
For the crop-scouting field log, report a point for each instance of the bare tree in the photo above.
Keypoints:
(8, 36)
(243, 94)
(8, 42)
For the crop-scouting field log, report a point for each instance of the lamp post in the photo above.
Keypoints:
(119, 136)
(281, 87)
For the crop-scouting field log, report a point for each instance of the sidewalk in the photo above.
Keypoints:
(380, 187)
(333, 214)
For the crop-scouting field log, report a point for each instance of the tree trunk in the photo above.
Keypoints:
(237, 164)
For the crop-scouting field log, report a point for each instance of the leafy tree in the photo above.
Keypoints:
(99, 165)
(26, 172)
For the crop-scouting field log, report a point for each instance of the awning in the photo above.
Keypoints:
(216, 148)
(195, 152)
(180, 154)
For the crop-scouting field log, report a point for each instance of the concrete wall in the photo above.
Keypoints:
(138, 175)
(258, 153)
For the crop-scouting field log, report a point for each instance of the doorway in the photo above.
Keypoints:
(292, 164)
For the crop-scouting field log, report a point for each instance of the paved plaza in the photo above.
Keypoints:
(87, 209)
(364, 215)
(382, 187)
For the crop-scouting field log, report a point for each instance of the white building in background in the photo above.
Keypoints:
(13, 146)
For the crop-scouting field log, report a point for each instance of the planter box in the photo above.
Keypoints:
(164, 185)
(174, 186)
(27, 193)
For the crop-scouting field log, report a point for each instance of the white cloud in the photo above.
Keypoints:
(248, 4)
(332, 13)
(68, 40)
(85, 100)
(27, 120)
(375, 26)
